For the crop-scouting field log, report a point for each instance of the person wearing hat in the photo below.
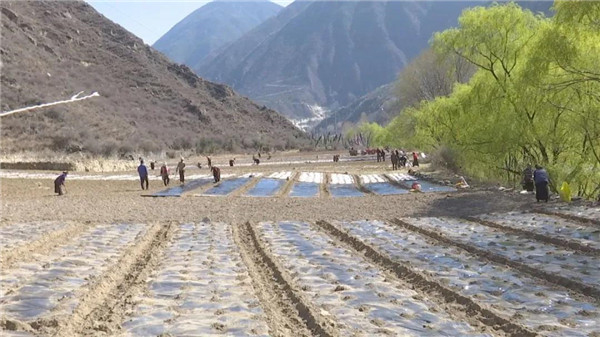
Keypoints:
(181, 170)
(59, 184)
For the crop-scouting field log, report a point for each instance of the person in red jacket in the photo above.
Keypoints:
(415, 159)
(164, 173)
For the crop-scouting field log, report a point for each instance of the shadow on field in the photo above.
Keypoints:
(469, 204)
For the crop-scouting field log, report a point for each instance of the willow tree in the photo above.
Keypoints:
(567, 68)
(534, 98)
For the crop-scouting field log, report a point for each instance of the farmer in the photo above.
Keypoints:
(143, 172)
(216, 173)
(209, 162)
(382, 155)
(181, 170)
(403, 160)
(415, 187)
(527, 181)
(394, 159)
(59, 183)
(164, 173)
(378, 155)
(415, 159)
(540, 177)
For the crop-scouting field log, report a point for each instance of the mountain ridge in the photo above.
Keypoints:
(212, 26)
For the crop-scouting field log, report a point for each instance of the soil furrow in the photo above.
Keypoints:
(324, 189)
(104, 305)
(288, 313)
(552, 278)
(287, 187)
(360, 186)
(394, 182)
(43, 245)
(434, 290)
(579, 219)
(246, 187)
(539, 237)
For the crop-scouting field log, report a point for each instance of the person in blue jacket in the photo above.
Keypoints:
(143, 172)
(541, 179)
(59, 183)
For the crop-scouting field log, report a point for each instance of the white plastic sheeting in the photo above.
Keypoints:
(341, 179)
(551, 311)
(546, 257)
(311, 177)
(281, 175)
(201, 283)
(350, 289)
(401, 177)
(372, 178)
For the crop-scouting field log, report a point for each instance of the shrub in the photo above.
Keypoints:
(109, 148)
(181, 143)
(60, 143)
(149, 146)
(447, 158)
(54, 115)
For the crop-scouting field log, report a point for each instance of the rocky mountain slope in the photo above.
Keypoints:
(212, 26)
(378, 106)
(53, 49)
(316, 57)
(381, 105)
(327, 54)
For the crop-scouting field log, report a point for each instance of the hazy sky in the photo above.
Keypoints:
(150, 20)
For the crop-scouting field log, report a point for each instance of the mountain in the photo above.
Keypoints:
(212, 26)
(315, 57)
(378, 106)
(325, 54)
(53, 49)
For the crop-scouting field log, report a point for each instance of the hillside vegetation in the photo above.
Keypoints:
(533, 98)
(52, 50)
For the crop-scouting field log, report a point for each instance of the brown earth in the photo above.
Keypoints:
(107, 301)
(33, 200)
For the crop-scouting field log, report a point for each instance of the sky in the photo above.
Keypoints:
(150, 20)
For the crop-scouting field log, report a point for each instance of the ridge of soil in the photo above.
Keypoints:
(472, 312)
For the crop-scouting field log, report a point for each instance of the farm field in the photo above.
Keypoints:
(275, 252)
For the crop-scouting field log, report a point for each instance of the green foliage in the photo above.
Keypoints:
(535, 97)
